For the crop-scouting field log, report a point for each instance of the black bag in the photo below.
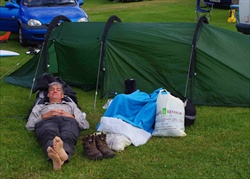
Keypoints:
(190, 112)
(130, 86)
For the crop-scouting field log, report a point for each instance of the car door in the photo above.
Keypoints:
(9, 17)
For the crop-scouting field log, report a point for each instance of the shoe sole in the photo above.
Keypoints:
(109, 156)
(95, 158)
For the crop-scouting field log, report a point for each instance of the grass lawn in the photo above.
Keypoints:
(217, 146)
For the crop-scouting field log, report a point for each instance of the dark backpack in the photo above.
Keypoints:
(190, 112)
(43, 81)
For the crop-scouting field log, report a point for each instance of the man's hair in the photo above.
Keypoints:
(58, 84)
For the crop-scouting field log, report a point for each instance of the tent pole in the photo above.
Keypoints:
(106, 29)
(189, 68)
(98, 75)
(52, 26)
(34, 79)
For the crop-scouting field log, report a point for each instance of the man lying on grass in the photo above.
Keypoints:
(57, 125)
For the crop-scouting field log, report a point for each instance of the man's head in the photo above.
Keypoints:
(55, 93)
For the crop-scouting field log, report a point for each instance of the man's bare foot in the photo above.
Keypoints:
(58, 148)
(57, 162)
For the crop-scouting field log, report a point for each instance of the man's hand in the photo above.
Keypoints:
(56, 112)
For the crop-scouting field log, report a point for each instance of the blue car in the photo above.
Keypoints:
(31, 18)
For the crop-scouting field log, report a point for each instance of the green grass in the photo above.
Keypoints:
(217, 146)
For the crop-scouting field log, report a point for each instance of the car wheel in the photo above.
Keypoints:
(21, 38)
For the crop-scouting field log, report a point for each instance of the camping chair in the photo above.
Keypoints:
(203, 8)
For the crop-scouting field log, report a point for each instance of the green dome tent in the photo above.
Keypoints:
(207, 64)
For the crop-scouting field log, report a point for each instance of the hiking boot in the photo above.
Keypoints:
(89, 147)
(102, 146)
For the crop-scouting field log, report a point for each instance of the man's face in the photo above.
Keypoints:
(55, 93)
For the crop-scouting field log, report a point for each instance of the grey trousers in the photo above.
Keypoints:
(65, 128)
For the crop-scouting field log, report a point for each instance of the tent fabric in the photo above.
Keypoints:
(77, 50)
(27, 73)
(154, 54)
(222, 71)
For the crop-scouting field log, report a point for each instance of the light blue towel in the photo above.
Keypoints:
(137, 108)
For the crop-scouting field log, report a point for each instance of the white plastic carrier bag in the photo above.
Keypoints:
(170, 116)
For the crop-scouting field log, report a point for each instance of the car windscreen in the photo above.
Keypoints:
(33, 3)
